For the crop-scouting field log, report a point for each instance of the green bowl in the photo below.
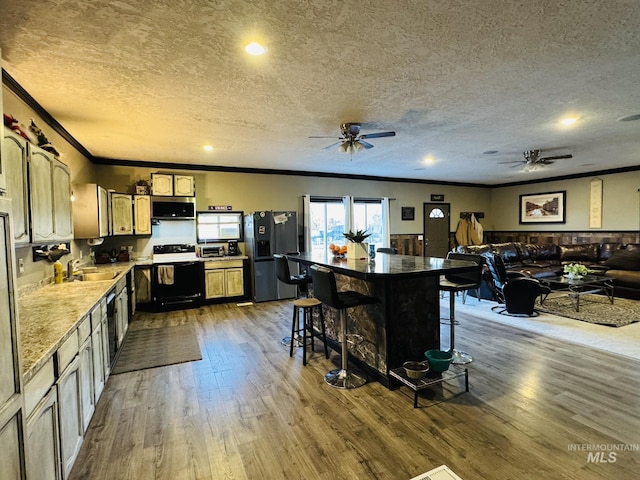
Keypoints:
(439, 360)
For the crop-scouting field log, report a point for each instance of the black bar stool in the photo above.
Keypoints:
(284, 275)
(309, 333)
(324, 288)
(460, 282)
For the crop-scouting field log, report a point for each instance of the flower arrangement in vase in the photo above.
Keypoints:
(575, 270)
(356, 248)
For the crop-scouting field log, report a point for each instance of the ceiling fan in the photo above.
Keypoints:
(533, 161)
(352, 140)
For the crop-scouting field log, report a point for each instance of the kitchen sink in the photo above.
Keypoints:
(94, 277)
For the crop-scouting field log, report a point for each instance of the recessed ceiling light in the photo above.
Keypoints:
(429, 160)
(568, 121)
(629, 118)
(255, 48)
(208, 148)
(489, 152)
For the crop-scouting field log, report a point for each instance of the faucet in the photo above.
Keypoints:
(71, 267)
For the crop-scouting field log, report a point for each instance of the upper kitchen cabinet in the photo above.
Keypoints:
(142, 214)
(172, 185)
(183, 186)
(15, 168)
(3, 173)
(121, 214)
(161, 184)
(90, 211)
(49, 197)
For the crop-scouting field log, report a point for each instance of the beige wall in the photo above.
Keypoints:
(252, 192)
(620, 204)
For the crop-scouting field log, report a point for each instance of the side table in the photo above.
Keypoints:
(454, 371)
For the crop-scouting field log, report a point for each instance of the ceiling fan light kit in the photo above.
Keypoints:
(352, 141)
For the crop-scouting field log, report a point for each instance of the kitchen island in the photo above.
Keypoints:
(406, 320)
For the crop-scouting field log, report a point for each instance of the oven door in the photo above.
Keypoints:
(177, 283)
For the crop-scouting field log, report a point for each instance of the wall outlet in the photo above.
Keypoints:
(21, 265)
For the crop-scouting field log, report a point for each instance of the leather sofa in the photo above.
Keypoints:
(618, 261)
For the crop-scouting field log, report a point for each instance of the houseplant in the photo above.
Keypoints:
(575, 270)
(356, 248)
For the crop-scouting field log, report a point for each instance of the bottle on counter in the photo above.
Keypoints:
(58, 272)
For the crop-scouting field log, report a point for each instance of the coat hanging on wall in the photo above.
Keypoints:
(469, 231)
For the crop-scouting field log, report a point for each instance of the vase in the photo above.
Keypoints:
(357, 251)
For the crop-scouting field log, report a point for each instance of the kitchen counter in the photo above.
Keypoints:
(49, 314)
(406, 320)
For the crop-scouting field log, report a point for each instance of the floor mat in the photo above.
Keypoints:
(594, 309)
(157, 347)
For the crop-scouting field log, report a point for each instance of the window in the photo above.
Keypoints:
(327, 218)
(219, 226)
(436, 213)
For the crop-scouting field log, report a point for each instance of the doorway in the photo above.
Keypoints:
(436, 229)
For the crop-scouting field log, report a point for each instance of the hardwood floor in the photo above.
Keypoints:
(248, 411)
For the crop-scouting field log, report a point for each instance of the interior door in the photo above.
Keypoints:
(436, 229)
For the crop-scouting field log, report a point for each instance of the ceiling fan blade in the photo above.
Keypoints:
(333, 145)
(324, 136)
(366, 145)
(555, 157)
(514, 161)
(378, 135)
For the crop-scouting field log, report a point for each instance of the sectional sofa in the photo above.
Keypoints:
(615, 260)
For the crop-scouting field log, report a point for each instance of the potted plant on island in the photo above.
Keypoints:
(356, 248)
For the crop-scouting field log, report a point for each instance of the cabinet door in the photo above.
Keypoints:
(86, 383)
(43, 442)
(121, 214)
(98, 362)
(143, 284)
(12, 460)
(142, 214)
(234, 282)
(70, 415)
(15, 166)
(161, 184)
(41, 195)
(103, 212)
(183, 186)
(105, 346)
(122, 316)
(63, 220)
(214, 283)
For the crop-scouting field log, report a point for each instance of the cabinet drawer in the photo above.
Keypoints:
(223, 264)
(38, 386)
(67, 351)
(84, 329)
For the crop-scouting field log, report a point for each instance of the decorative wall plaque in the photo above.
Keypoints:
(595, 204)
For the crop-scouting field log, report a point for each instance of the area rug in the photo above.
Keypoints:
(594, 309)
(157, 347)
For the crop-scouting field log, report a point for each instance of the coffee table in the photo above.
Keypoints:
(577, 287)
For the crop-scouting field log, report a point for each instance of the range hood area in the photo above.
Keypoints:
(173, 208)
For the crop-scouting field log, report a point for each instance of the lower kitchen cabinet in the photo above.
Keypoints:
(12, 458)
(142, 277)
(122, 312)
(97, 352)
(224, 278)
(70, 415)
(87, 396)
(43, 443)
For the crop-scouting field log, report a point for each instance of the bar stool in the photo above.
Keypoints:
(309, 333)
(284, 275)
(460, 282)
(324, 288)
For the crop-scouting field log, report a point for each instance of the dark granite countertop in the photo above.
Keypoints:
(386, 265)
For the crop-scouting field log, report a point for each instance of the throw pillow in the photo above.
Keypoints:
(623, 260)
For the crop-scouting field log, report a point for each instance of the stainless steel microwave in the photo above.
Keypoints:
(173, 208)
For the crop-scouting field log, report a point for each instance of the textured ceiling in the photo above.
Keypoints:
(157, 80)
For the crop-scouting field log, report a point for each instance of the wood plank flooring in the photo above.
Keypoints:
(248, 411)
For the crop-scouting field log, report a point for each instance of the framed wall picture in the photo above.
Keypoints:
(408, 213)
(543, 207)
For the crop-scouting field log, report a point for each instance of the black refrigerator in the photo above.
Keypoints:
(265, 234)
